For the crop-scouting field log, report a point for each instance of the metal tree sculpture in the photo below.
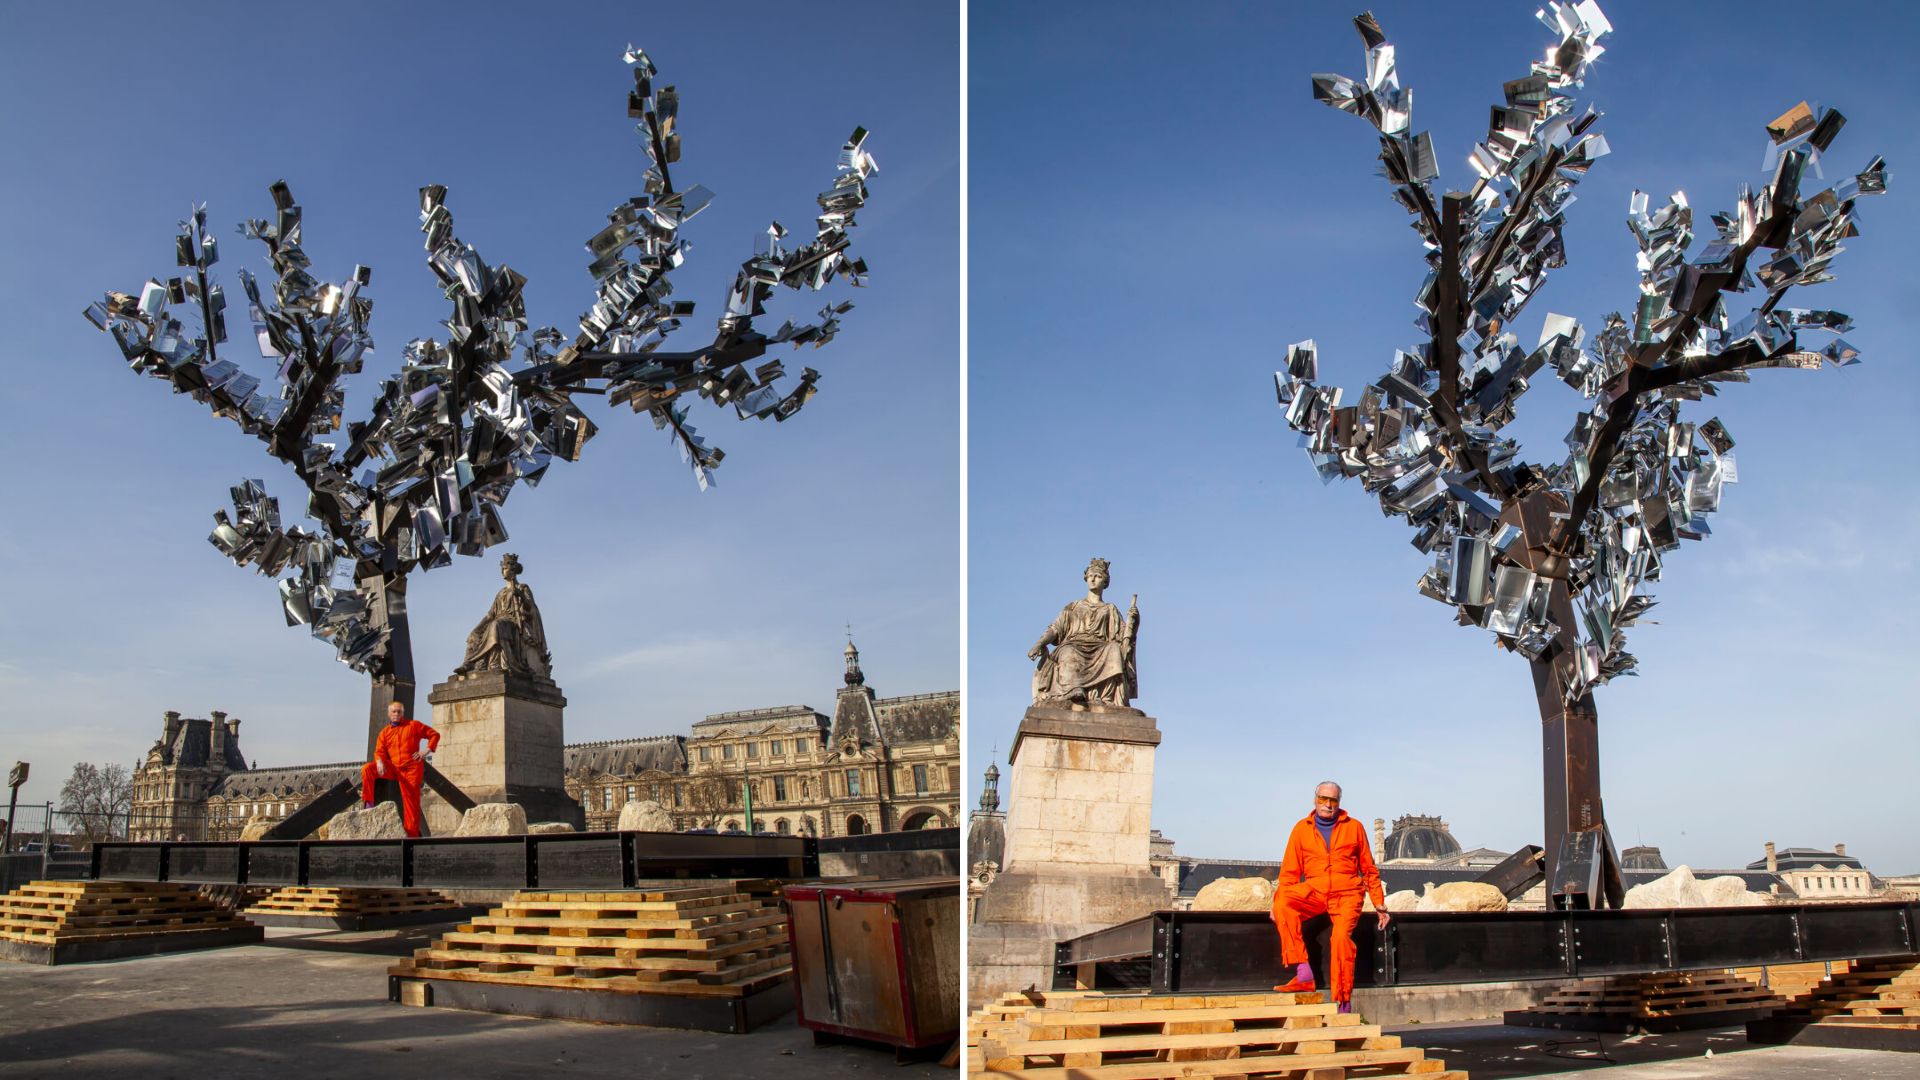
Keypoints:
(424, 476)
(1553, 559)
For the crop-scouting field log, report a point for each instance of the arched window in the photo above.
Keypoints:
(782, 827)
(856, 825)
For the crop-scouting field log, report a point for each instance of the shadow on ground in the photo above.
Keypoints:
(1492, 1051)
(397, 942)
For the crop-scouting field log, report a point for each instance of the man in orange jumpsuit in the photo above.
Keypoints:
(395, 756)
(1327, 868)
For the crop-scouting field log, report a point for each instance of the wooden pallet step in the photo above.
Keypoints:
(1050, 1017)
(718, 923)
(603, 927)
(732, 970)
(647, 894)
(676, 907)
(720, 962)
(1411, 1060)
(618, 984)
(1300, 1041)
(610, 946)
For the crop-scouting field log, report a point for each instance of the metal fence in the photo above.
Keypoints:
(48, 844)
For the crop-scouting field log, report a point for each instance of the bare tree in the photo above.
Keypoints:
(96, 800)
(424, 476)
(710, 797)
(1553, 559)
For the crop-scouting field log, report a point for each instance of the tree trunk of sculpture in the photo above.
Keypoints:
(1582, 867)
(393, 679)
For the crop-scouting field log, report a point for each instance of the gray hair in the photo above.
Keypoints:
(1328, 783)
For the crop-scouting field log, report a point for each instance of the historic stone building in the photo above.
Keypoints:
(182, 768)
(876, 765)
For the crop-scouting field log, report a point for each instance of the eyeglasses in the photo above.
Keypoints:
(1330, 800)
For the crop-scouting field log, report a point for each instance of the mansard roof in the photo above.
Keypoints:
(918, 718)
(288, 780)
(1802, 858)
(987, 837)
(855, 719)
(796, 716)
(192, 746)
(628, 757)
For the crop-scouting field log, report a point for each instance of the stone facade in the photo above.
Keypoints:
(182, 769)
(878, 764)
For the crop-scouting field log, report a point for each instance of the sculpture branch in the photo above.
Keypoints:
(449, 436)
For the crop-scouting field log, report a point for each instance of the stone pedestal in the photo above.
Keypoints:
(502, 740)
(1077, 833)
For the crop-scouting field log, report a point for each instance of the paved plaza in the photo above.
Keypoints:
(1493, 1051)
(313, 1004)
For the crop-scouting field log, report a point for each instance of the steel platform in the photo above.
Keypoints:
(593, 860)
(1189, 951)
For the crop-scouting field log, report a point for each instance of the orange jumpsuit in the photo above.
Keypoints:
(396, 746)
(1317, 877)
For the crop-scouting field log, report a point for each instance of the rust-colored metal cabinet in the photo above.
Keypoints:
(878, 960)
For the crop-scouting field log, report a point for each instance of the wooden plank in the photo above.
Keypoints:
(1410, 1060)
(619, 985)
(1137, 1015)
(1177, 1040)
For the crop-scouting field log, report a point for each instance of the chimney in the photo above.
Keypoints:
(217, 749)
(233, 734)
(1840, 850)
(170, 725)
(1773, 864)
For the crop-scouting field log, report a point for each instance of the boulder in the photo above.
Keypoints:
(1463, 896)
(550, 827)
(256, 828)
(493, 819)
(1680, 889)
(1404, 900)
(645, 815)
(380, 823)
(1235, 894)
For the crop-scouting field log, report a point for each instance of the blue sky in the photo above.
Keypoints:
(661, 604)
(1158, 207)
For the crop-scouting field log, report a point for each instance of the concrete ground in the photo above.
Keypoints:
(307, 1004)
(1494, 1051)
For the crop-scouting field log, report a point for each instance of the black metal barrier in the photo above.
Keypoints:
(908, 840)
(1189, 951)
(605, 860)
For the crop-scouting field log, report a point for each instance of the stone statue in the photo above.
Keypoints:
(1091, 665)
(509, 637)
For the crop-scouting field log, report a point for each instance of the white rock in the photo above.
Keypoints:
(494, 819)
(256, 829)
(1235, 894)
(1404, 900)
(380, 823)
(1462, 896)
(645, 815)
(1680, 889)
(550, 827)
